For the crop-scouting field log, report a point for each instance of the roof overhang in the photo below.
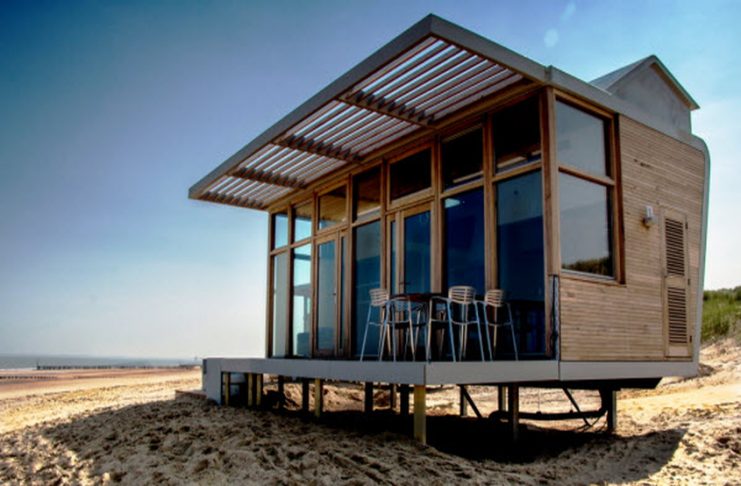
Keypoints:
(430, 71)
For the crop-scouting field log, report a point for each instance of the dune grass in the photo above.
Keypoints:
(721, 314)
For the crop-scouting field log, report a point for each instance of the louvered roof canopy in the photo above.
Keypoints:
(433, 69)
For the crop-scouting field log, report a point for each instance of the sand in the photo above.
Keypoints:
(128, 427)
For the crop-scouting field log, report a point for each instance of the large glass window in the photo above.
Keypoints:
(302, 221)
(301, 294)
(280, 304)
(520, 259)
(332, 209)
(581, 140)
(280, 229)
(411, 174)
(462, 158)
(585, 226)
(367, 191)
(464, 240)
(326, 296)
(585, 201)
(516, 135)
(417, 253)
(367, 261)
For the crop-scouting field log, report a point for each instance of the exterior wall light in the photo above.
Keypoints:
(649, 219)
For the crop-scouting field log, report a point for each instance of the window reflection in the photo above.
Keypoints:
(517, 135)
(332, 209)
(411, 174)
(417, 253)
(462, 158)
(580, 139)
(464, 240)
(521, 267)
(301, 295)
(585, 226)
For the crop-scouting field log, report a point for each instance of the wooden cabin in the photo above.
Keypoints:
(445, 159)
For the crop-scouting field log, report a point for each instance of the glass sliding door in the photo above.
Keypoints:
(367, 264)
(301, 294)
(520, 257)
(464, 241)
(326, 297)
(416, 253)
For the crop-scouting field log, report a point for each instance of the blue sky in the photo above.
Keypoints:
(110, 111)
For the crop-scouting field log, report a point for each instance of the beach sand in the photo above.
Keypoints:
(128, 427)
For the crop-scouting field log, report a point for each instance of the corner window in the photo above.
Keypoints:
(586, 192)
(411, 174)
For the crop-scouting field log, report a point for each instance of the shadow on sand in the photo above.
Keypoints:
(182, 438)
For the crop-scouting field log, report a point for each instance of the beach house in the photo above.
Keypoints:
(451, 212)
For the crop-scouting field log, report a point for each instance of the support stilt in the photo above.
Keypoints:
(368, 402)
(609, 403)
(514, 411)
(250, 389)
(281, 392)
(305, 395)
(258, 389)
(404, 400)
(318, 397)
(462, 404)
(227, 380)
(420, 413)
(392, 396)
(501, 398)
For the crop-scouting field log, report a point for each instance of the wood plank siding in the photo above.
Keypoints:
(609, 321)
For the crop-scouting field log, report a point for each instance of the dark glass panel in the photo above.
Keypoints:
(585, 226)
(301, 293)
(332, 209)
(520, 260)
(410, 175)
(517, 135)
(580, 139)
(367, 261)
(368, 193)
(417, 253)
(280, 229)
(302, 222)
(392, 239)
(280, 304)
(341, 337)
(462, 158)
(326, 296)
(464, 240)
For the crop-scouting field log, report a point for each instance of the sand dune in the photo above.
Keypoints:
(134, 431)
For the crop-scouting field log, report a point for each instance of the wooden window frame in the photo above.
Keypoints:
(612, 182)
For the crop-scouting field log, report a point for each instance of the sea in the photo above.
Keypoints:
(33, 361)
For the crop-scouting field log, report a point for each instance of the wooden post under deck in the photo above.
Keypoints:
(420, 413)
(392, 396)
(227, 380)
(258, 389)
(281, 392)
(462, 405)
(305, 395)
(609, 402)
(501, 398)
(368, 402)
(250, 389)
(514, 411)
(404, 400)
(318, 397)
